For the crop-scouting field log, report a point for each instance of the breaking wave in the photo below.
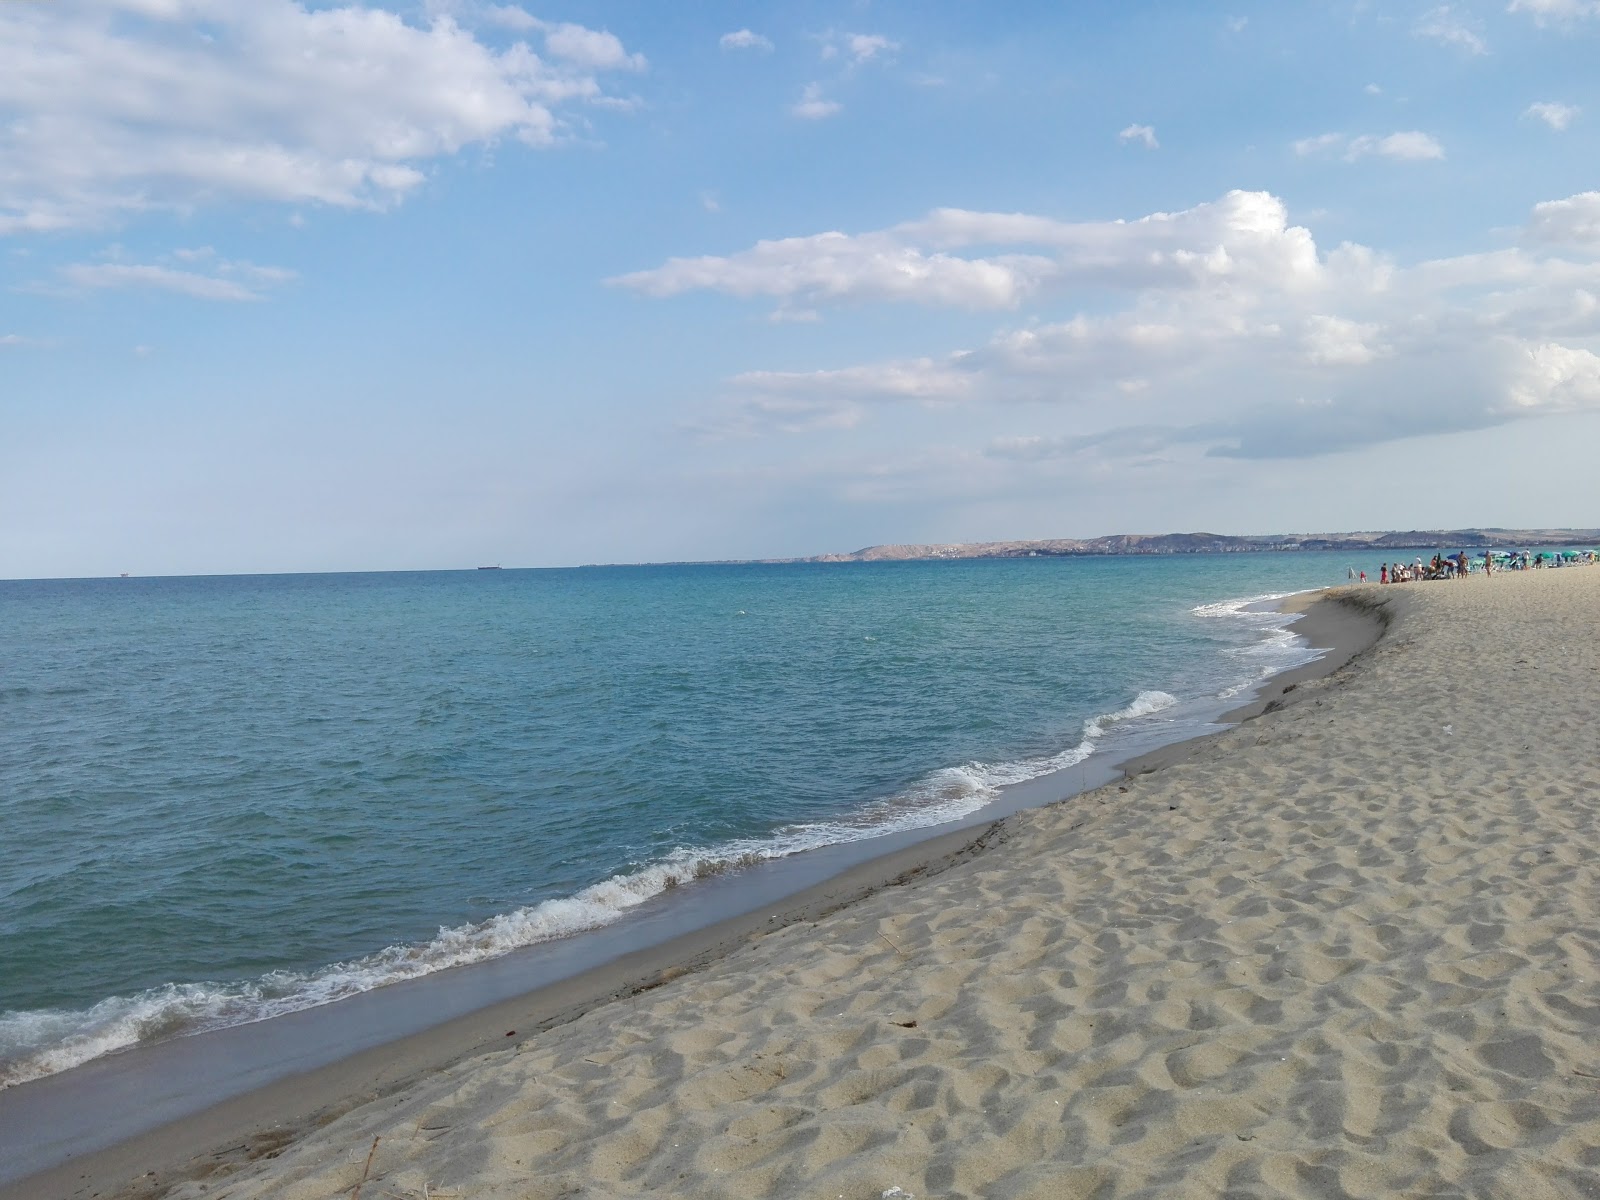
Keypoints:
(42, 1042)
(1268, 642)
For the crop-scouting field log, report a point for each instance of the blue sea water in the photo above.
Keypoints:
(223, 798)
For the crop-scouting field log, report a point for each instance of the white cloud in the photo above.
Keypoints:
(130, 275)
(864, 46)
(1232, 335)
(1574, 221)
(1443, 25)
(1373, 89)
(509, 16)
(1145, 135)
(1555, 378)
(857, 48)
(1546, 11)
(1557, 116)
(1316, 145)
(139, 105)
(202, 276)
(8, 340)
(1240, 237)
(1409, 145)
(1336, 341)
(813, 106)
(917, 379)
(592, 48)
(745, 39)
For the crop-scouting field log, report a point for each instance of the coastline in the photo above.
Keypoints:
(258, 1122)
(1345, 948)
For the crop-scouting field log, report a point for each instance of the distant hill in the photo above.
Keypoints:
(1222, 543)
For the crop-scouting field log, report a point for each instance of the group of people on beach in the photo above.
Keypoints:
(1441, 566)
(1459, 565)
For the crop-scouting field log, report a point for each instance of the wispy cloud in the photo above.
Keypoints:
(1557, 116)
(1145, 135)
(1409, 145)
(813, 105)
(745, 39)
(858, 48)
(202, 276)
(1446, 26)
(1546, 12)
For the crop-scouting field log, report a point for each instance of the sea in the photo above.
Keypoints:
(231, 797)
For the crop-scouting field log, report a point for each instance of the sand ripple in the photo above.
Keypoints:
(1350, 949)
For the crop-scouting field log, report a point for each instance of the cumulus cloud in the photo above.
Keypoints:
(1555, 378)
(1445, 25)
(858, 48)
(813, 106)
(1220, 331)
(1145, 135)
(592, 48)
(1557, 116)
(1408, 145)
(1574, 221)
(745, 39)
(1336, 341)
(509, 16)
(115, 108)
(1242, 236)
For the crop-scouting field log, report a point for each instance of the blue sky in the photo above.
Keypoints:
(301, 286)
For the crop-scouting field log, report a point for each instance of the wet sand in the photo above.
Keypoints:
(1347, 947)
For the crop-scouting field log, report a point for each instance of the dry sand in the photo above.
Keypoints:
(1349, 948)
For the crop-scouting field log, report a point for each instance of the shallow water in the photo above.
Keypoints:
(229, 797)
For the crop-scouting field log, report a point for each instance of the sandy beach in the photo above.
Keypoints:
(1348, 947)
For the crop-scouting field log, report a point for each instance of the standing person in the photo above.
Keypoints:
(1363, 577)
(1488, 563)
(1383, 574)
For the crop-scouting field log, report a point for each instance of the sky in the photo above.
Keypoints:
(300, 286)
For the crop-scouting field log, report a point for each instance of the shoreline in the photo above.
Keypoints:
(257, 1122)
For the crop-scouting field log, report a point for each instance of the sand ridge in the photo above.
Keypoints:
(1349, 948)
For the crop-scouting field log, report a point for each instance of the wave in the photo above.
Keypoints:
(37, 1043)
(1273, 646)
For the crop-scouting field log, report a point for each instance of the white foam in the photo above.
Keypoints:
(42, 1042)
(1275, 646)
(1243, 606)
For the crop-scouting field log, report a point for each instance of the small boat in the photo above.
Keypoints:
(496, 567)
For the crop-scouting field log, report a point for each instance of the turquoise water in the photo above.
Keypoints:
(228, 797)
